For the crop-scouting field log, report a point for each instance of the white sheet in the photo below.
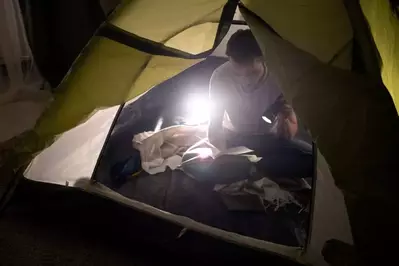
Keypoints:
(162, 149)
(74, 154)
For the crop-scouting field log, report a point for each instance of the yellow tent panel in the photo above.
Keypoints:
(320, 28)
(160, 20)
(196, 39)
(109, 73)
(159, 69)
(385, 30)
(102, 76)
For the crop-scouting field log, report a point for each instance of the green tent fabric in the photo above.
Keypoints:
(384, 27)
(163, 21)
(353, 120)
(106, 64)
(321, 28)
(350, 104)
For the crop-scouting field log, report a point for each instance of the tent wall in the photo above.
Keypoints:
(384, 27)
(350, 103)
(355, 125)
(329, 219)
(321, 28)
(101, 77)
(108, 73)
(74, 154)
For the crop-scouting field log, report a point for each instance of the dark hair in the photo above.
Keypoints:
(242, 47)
(395, 7)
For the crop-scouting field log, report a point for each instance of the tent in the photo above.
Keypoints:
(311, 45)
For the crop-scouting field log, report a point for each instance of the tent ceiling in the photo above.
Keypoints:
(320, 28)
(164, 20)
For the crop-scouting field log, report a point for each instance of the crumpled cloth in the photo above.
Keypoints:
(267, 190)
(162, 149)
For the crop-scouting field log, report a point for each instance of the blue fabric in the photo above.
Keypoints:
(121, 170)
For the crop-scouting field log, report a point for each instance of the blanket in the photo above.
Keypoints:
(165, 148)
(269, 192)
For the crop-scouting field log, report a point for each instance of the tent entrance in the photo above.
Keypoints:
(121, 168)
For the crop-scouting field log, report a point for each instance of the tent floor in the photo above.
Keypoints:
(177, 193)
(45, 224)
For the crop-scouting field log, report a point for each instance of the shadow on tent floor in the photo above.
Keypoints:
(45, 224)
(177, 193)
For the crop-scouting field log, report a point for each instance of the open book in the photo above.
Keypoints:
(205, 149)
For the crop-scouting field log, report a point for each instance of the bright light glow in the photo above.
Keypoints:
(204, 152)
(267, 120)
(198, 109)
